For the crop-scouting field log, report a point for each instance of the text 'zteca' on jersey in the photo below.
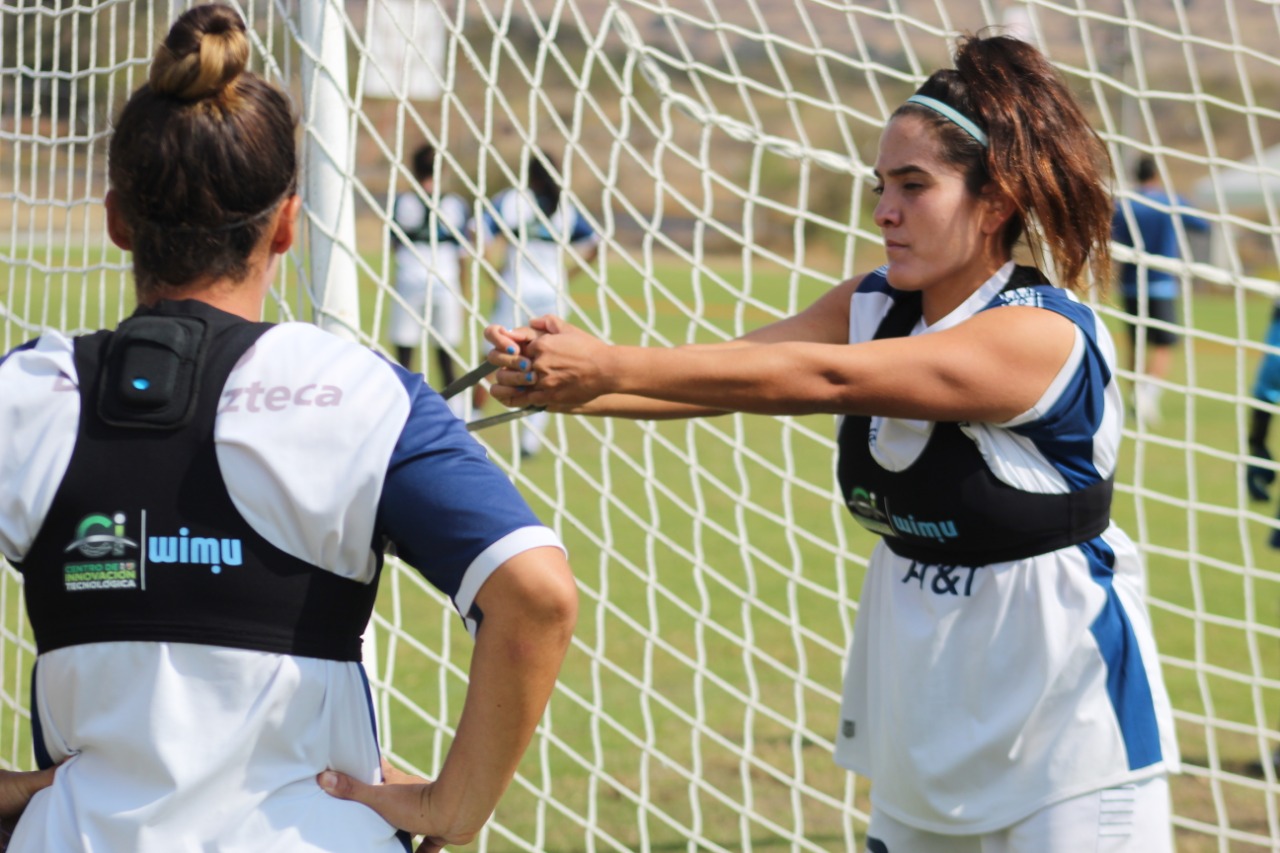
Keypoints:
(979, 693)
(301, 457)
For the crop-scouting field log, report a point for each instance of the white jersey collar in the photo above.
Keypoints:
(976, 301)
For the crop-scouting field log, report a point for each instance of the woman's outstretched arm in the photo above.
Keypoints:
(824, 321)
(990, 368)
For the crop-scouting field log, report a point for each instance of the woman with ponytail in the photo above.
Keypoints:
(1003, 691)
(199, 502)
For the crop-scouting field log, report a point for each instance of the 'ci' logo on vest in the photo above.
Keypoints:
(102, 539)
(97, 536)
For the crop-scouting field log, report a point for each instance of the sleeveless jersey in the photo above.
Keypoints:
(200, 565)
(984, 684)
(978, 518)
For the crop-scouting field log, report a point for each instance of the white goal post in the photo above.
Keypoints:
(722, 150)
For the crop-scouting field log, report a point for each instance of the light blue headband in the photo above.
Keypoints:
(953, 115)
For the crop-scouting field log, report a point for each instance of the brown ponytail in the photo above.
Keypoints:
(1043, 153)
(201, 156)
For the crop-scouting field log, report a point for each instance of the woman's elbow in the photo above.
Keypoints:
(536, 595)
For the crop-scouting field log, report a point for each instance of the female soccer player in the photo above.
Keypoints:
(199, 501)
(1003, 691)
(540, 222)
(428, 268)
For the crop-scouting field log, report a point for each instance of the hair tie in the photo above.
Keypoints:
(232, 225)
(953, 115)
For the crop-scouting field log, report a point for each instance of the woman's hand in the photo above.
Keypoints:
(509, 355)
(403, 800)
(551, 363)
(16, 790)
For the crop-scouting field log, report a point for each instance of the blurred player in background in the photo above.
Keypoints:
(428, 269)
(1266, 387)
(1156, 234)
(1003, 691)
(198, 502)
(540, 223)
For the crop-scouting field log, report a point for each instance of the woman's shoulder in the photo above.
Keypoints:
(1030, 287)
(303, 352)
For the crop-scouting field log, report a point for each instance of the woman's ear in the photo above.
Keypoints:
(998, 208)
(117, 230)
(286, 225)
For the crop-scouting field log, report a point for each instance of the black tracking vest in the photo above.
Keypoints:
(142, 541)
(947, 508)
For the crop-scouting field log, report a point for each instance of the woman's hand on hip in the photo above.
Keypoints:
(403, 800)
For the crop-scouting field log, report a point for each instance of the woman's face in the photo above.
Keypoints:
(935, 231)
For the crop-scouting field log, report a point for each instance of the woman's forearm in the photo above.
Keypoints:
(529, 607)
(639, 408)
(782, 378)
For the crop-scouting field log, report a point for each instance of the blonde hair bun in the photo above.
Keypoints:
(206, 50)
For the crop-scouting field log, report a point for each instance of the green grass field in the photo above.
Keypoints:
(719, 583)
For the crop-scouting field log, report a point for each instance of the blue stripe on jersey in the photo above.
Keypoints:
(877, 281)
(43, 759)
(463, 502)
(490, 223)
(27, 345)
(401, 835)
(368, 700)
(581, 229)
(1127, 682)
(1066, 434)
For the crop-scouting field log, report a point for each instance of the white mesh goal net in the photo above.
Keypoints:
(721, 150)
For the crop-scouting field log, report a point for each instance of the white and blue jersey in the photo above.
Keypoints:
(323, 452)
(428, 269)
(533, 274)
(978, 693)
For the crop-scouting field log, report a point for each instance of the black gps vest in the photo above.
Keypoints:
(142, 541)
(947, 508)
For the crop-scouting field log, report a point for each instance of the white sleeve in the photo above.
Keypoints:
(39, 421)
(410, 212)
(305, 427)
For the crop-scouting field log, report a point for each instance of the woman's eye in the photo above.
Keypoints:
(878, 190)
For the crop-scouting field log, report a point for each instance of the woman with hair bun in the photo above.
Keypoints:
(1003, 691)
(199, 502)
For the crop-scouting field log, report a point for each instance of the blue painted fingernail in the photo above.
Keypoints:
(528, 377)
(524, 364)
(511, 350)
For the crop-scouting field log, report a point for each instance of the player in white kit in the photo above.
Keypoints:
(1003, 691)
(538, 223)
(428, 268)
(199, 503)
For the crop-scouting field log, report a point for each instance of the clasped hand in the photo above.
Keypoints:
(548, 363)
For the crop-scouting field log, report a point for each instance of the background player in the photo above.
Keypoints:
(541, 223)
(1003, 691)
(428, 268)
(1157, 234)
(198, 503)
(1266, 387)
